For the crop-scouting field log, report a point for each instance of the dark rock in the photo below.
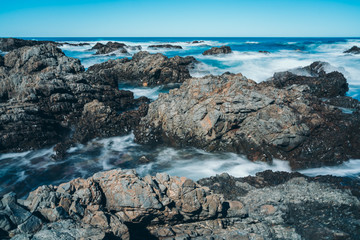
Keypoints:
(109, 48)
(194, 42)
(321, 84)
(265, 52)
(77, 44)
(1, 61)
(42, 97)
(169, 46)
(353, 50)
(133, 48)
(232, 113)
(144, 69)
(9, 44)
(218, 50)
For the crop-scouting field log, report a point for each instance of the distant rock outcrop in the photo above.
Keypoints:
(144, 69)
(169, 46)
(268, 120)
(218, 50)
(354, 50)
(110, 47)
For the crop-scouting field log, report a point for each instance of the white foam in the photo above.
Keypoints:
(349, 168)
(149, 92)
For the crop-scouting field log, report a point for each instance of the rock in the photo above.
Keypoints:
(120, 204)
(1, 61)
(109, 48)
(77, 44)
(9, 44)
(353, 50)
(169, 46)
(42, 98)
(233, 113)
(195, 42)
(144, 69)
(134, 48)
(294, 200)
(218, 50)
(265, 52)
(321, 84)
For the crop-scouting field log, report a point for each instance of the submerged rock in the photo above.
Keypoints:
(233, 113)
(169, 46)
(353, 50)
(218, 50)
(77, 44)
(120, 204)
(144, 69)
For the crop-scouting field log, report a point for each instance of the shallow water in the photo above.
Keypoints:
(22, 172)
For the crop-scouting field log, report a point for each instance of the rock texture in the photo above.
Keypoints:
(110, 47)
(353, 50)
(263, 121)
(9, 44)
(144, 69)
(169, 46)
(119, 204)
(44, 97)
(218, 50)
(321, 83)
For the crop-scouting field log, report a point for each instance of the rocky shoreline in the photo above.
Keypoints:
(118, 204)
(301, 116)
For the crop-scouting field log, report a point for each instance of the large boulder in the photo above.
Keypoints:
(144, 69)
(42, 99)
(218, 50)
(233, 113)
(353, 50)
(9, 44)
(119, 204)
(321, 83)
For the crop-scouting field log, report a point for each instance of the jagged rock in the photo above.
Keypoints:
(42, 97)
(144, 69)
(201, 41)
(353, 50)
(218, 50)
(169, 46)
(9, 44)
(233, 113)
(122, 205)
(312, 206)
(321, 84)
(109, 48)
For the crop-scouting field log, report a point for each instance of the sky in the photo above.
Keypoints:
(179, 18)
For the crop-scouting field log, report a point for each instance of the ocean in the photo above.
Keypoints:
(23, 172)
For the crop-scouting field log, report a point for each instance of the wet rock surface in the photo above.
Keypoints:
(263, 121)
(43, 95)
(119, 204)
(144, 69)
(353, 50)
(218, 50)
(169, 46)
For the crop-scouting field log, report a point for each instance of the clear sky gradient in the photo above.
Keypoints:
(179, 18)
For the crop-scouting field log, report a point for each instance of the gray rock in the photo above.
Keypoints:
(218, 50)
(233, 113)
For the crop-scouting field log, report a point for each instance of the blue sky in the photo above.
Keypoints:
(179, 18)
